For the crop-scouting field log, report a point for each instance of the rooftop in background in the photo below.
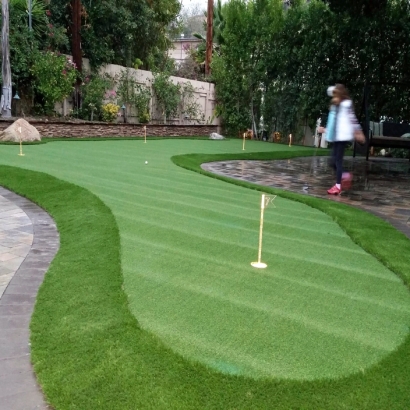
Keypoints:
(181, 47)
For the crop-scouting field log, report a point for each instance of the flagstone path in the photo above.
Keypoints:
(28, 243)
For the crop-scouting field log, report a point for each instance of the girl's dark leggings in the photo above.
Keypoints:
(337, 159)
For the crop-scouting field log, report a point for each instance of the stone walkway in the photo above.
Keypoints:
(28, 243)
(380, 186)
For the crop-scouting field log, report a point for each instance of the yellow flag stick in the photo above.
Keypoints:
(21, 145)
(260, 264)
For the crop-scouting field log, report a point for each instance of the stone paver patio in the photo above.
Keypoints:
(28, 243)
(380, 186)
(16, 237)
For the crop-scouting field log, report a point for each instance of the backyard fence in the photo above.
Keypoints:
(202, 97)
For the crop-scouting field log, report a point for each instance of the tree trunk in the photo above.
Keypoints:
(209, 40)
(76, 47)
(5, 103)
(76, 34)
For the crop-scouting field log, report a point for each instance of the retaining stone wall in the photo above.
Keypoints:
(100, 129)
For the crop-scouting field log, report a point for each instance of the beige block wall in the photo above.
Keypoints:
(204, 95)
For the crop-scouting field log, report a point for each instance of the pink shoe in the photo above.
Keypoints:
(334, 190)
(347, 178)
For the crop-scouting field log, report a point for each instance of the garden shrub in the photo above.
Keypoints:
(110, 112)
(54, 78)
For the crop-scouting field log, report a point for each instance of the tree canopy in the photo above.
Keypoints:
(133, 33)
(120, 31)
(277, 62)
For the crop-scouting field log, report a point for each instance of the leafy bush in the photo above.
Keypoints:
(167, 94)
(144, 118)
(136, 95)
(22, 42)
(94, 89)
(191, 69)
(141, 102)
(54, 78)
(25, 44)
(190, 109)
(56, 38)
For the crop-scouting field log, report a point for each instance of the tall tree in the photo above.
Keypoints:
(209, 36)
(120, 31)
(240, 71)
(281, 71)
(192, 20)
(76, 46)
(76, 7)
(5, 102)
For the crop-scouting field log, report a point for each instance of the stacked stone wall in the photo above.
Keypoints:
(67, 129)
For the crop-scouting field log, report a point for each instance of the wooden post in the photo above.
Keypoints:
(209, 40)
(76, 33)
(76, 45)
(5, 103)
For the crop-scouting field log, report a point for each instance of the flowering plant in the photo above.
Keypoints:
(110, 112)
(110, 95)
(56, 38)
(54, 78)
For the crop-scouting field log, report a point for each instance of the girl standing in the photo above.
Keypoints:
(340, 129)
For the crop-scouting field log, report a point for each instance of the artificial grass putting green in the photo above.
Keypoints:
(182, 243)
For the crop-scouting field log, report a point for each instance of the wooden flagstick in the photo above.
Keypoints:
(264, 203)
(21, 145)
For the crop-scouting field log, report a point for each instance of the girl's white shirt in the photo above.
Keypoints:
(346, 123)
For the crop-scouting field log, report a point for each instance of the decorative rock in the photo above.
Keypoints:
(216, 136)
(28, 132)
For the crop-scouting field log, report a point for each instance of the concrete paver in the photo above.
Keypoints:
(28, 242)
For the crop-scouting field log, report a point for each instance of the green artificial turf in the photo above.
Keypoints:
(186, 244)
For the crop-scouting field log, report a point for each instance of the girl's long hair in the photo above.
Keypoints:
(342, 91)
